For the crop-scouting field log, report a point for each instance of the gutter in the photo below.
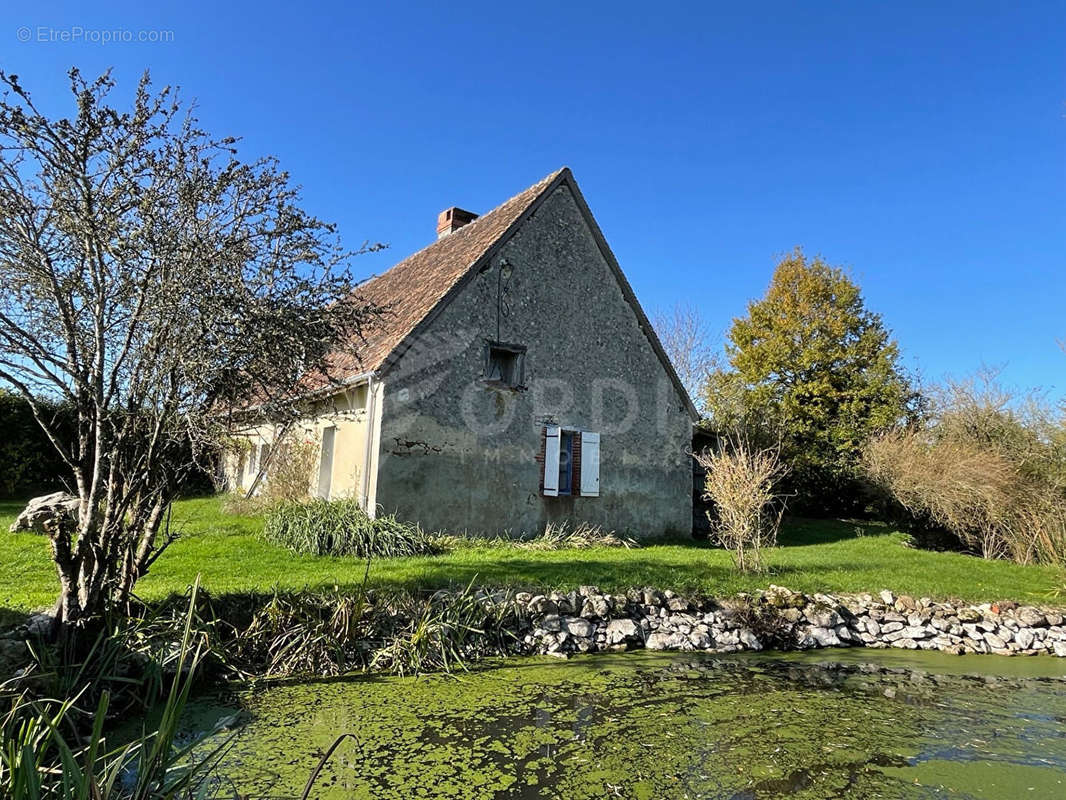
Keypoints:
(369, 443)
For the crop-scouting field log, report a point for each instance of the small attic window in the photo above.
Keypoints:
(504, 364)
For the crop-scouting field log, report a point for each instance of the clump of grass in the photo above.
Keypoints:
(330, 633)
(555, 536)
(583, 537)
(342, 528)
(308, 633)
(57, 749)
(445, 631)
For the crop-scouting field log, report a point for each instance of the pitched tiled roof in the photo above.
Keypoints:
(412, 289)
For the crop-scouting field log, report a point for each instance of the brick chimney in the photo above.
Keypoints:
(452, 219)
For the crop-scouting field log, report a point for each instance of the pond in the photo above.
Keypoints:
(853, 724)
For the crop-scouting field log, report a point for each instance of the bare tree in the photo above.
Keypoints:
(688, 340)
(153, 283)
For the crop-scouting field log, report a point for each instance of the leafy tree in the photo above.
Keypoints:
(152, 281)
(810, 366)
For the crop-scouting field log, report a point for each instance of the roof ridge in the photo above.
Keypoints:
(414, 286)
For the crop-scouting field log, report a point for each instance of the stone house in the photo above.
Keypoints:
(515, 381)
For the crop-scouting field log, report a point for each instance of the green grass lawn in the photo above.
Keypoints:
(815, 555)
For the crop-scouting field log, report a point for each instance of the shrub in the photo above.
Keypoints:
(342, 528)
(975, 492)
(989, 468)
(29, 463)
(288, 477)
(741, 482)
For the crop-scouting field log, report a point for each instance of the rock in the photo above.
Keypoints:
(995, 642)
(792, 615)
(1060, 649)
(887, 597)
(551, 622)
(677, 604)
(542, 605)
(822, 617)
(622, 630)
(664, 641)
(824, 637)
(652, 598)
(749, 639)
(576, 626)
(969, 615)
(907, 644)
(917, 632)
(782, 598)
(1054, 619)
(44, 509)
(596, 606)
(39, 624)
(1030, 617)
(14, 655)
(1024, 639)
(700, 640)
(905, 603)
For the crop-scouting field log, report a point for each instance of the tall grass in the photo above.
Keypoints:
(330, 633)
(584, 536)
(973, 491)
(990, 468)
(53, 749)
(342, 528)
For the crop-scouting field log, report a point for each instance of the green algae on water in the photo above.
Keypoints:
(644, 725)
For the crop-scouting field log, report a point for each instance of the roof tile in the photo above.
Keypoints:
(410, 290)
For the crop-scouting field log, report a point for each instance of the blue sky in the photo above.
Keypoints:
(923, 145)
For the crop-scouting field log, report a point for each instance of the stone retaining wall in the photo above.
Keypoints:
(588, 621)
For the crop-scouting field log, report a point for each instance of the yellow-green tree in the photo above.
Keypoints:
(811, 367)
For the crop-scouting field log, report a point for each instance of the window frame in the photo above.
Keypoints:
(518, 351)
(566, 445)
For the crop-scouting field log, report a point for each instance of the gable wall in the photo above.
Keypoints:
(457, 454)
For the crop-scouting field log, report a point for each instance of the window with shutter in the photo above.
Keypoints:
(590, 464)
(551, 460)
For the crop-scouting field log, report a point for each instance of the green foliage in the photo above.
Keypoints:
(342, 528)
(343, 630)
(29, 463)
(812, 368)
(812, 556)
(54, 749)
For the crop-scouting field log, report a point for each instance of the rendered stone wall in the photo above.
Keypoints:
(459, 454)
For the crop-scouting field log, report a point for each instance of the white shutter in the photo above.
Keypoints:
(551, 460)
(590, 464)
